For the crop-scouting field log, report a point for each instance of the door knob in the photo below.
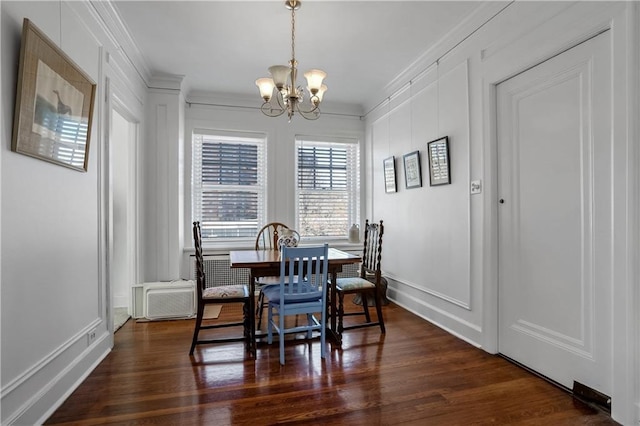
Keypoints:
(501, 201)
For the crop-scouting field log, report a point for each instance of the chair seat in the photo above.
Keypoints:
(353, 283)
(272, 292)
(262, 283)
(226, 292)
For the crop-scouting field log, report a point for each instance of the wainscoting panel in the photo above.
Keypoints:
(39, 388)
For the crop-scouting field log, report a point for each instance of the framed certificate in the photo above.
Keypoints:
(439, 166)
(390, 174)
(412, 173)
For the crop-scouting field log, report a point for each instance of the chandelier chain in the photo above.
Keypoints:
(293, 34)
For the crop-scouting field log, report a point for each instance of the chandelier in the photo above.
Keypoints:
(289, 97)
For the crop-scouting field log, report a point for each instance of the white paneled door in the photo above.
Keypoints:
(555, 240)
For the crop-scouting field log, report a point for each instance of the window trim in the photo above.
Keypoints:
(230, 136)
(355, 213)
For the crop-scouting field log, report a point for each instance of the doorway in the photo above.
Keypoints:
(555, 239)
(122, 145)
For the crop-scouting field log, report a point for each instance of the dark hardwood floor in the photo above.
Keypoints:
(415, 374)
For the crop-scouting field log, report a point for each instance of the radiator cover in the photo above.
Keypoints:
(174, 299)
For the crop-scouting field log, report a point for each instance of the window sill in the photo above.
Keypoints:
(223, 248)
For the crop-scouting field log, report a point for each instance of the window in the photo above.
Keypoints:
(229, 184)
(327, 186)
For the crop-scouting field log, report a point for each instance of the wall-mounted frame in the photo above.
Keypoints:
(390, 174)
(412, 174)
(439, 165)
(54, 103)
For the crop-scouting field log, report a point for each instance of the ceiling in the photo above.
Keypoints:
(222, 47)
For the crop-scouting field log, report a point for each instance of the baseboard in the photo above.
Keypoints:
(121, 301)
(459, 327)
(32, 398)
(75, 376)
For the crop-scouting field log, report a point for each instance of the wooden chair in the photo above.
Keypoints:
(217, 295)
(267, 239)
(305, 296)
(368, 283)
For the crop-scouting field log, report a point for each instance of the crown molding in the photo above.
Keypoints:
(166, 82)
(117, 31)
(485, 12)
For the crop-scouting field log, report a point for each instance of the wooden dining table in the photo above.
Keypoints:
(266, 263)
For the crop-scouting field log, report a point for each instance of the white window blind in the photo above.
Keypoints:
(68, 143)
(327, 186)
(229, 184)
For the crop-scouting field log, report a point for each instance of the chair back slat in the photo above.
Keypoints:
(197, 242)
(372, 251)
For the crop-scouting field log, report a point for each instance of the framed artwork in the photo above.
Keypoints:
(390, 174)
(412, 175)
(439, 166)
(54, 103)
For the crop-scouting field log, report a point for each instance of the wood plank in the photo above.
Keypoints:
(415, 374)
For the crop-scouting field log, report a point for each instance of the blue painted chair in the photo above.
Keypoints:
(305, 296)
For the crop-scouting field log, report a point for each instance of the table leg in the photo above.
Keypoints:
(337, 337)
(252, 313)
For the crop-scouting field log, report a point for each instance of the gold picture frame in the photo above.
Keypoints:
(54, 103)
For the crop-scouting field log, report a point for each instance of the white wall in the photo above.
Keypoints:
(441, 242)
(53, 286)
(122, 180)
(163, 205)
(428, 109)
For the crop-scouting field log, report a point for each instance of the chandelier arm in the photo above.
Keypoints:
(282, 104)
(314, 116)
(313, 109)
(309, 114)
(268, 110)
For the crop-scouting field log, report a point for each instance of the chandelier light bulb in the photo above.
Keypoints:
(314, 79)
(320, 93)
(265, 85)
(280, 74)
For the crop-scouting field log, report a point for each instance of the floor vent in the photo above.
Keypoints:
(591, 396)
